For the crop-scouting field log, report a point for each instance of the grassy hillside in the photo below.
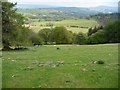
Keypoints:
(39, 68)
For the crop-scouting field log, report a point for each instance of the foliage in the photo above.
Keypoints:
(13, 31)
(35, 38)
(97, 38)
(112, 32)
(80, 38)
(44, 34)
(103, 19)
(61, 35)
(94, 30)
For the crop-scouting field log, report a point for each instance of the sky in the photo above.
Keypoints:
(72, 3)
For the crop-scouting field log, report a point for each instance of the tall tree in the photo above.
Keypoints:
(13, 31)
(112, 32)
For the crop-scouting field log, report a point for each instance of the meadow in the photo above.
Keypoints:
(61, 66)
(83, 25)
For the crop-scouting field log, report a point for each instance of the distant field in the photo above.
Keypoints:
(36, 26)
(38, 67)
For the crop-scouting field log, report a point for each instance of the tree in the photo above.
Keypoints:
(35, 39)
(97, 38)
(94, 30)
(89, 32)
(45, 34)
(61, 35)
(13, 31)
(80, 38)
(112, 32)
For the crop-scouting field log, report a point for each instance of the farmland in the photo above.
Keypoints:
(73, 21)
(82, 25)
(38, 67)
(76, 47)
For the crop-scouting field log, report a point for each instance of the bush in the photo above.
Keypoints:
(100, 62)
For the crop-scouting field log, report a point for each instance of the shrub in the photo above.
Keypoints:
(100, 62)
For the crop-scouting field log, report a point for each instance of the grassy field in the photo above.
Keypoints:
(39, 68)
(36, 26)
(0, 70)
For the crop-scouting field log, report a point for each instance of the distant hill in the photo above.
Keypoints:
(47, 12)
(105, 9)
(98, 9)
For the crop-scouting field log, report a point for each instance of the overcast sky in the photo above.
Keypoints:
(74, 3)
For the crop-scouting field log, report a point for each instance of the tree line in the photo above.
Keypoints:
(14, 33)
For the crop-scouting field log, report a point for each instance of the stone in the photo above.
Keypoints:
(14, 76)
(13, 60)
(36, 62)
(54, 66)
(41, 65)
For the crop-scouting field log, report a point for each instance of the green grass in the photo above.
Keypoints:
(79, 22)
(78, 70)
(77, 30)
(0, 70)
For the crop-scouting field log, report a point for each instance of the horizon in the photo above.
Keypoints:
(69, 3)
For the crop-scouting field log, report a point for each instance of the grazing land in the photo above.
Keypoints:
(79, 25)
(62, 66)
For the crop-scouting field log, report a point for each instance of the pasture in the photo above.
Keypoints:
(83, 25)
(61, 66)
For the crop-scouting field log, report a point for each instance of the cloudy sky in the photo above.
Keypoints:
(76, 3)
